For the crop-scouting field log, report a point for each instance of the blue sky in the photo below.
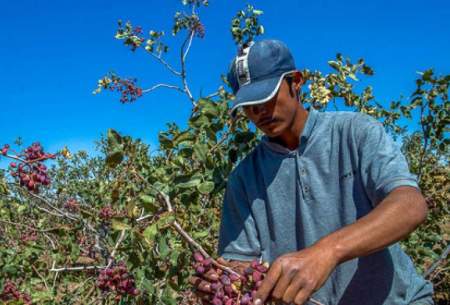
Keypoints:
(53, 52)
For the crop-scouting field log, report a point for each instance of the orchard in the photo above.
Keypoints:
(130, 227)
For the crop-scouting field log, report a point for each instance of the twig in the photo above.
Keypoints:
(56, 276)
(159, 58)
(76, 268)
(143, 217)
(51, 241)
(165, 86)
(113, 253)
(16, 158)
(61, 213)
(212, 95)
(225, 136)
(183, 55)
(28, 227)
(191, 37)
(184, 234)
(437, 262)
(40, 275)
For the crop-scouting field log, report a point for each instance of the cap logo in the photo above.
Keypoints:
(242, 70)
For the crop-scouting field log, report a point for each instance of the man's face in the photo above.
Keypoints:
(276, 115)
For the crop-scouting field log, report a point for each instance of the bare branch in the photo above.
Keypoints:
(80, 268)
(183, 233)
(165, 86)
(113, 253)
(224, 138)
(40, 275)
(51, 241)
(183, 54)
(437, 262)
(212, 95)
(143, 217)
(191, 37)
(169, 67)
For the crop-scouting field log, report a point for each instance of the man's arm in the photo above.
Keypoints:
(295, 276)
(392, 220)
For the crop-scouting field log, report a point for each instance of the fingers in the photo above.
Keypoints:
(292, 291)
(282, 285)
(302, 296)
(268, 284)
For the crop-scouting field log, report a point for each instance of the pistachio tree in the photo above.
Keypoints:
(130, 227)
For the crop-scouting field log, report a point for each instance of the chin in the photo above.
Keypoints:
(272, 132)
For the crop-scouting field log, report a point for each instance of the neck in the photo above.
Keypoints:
(290, 138)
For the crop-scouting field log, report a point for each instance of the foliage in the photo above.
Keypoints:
(131, 214)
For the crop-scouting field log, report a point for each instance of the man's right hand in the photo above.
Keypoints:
(202, 283)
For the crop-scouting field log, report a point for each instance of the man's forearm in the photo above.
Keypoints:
(392, 220)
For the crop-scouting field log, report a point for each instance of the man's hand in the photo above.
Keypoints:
(203, 283)
(293, 277)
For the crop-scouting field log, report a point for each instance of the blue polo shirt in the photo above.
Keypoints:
(279, 201)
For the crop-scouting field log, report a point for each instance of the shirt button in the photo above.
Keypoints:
(303, 172)
(306, 189)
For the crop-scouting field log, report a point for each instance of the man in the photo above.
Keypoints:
(325, 197)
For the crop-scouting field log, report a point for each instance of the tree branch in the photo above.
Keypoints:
(433, 267)
(183, 233)
(165, 86)
(183, 54)
(162, 61)
(113, 253)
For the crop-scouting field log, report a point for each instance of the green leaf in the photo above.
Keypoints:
(163, 247)
(192, 183)
(150, 232)
(206, 187)
(114, 138)
(165, 220)
(201, 150)
(149, 203)
(119, 226)
(201, 234)
(174, 257)
(334, 65)
(168, 297)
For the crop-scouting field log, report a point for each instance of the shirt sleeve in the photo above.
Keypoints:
(238, 238)
(383, 167)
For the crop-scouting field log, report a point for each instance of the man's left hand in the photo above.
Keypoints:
(293, 277)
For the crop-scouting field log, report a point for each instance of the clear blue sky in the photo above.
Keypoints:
(53, 52)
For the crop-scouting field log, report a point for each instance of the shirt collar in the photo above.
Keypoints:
(305, 135)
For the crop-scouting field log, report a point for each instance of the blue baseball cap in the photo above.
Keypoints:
(256, 73)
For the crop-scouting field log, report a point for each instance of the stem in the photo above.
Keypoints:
(166, 64)
(165, 86)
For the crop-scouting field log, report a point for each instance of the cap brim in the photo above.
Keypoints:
(257, 92)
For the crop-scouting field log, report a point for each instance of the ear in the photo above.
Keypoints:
(298, 80)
